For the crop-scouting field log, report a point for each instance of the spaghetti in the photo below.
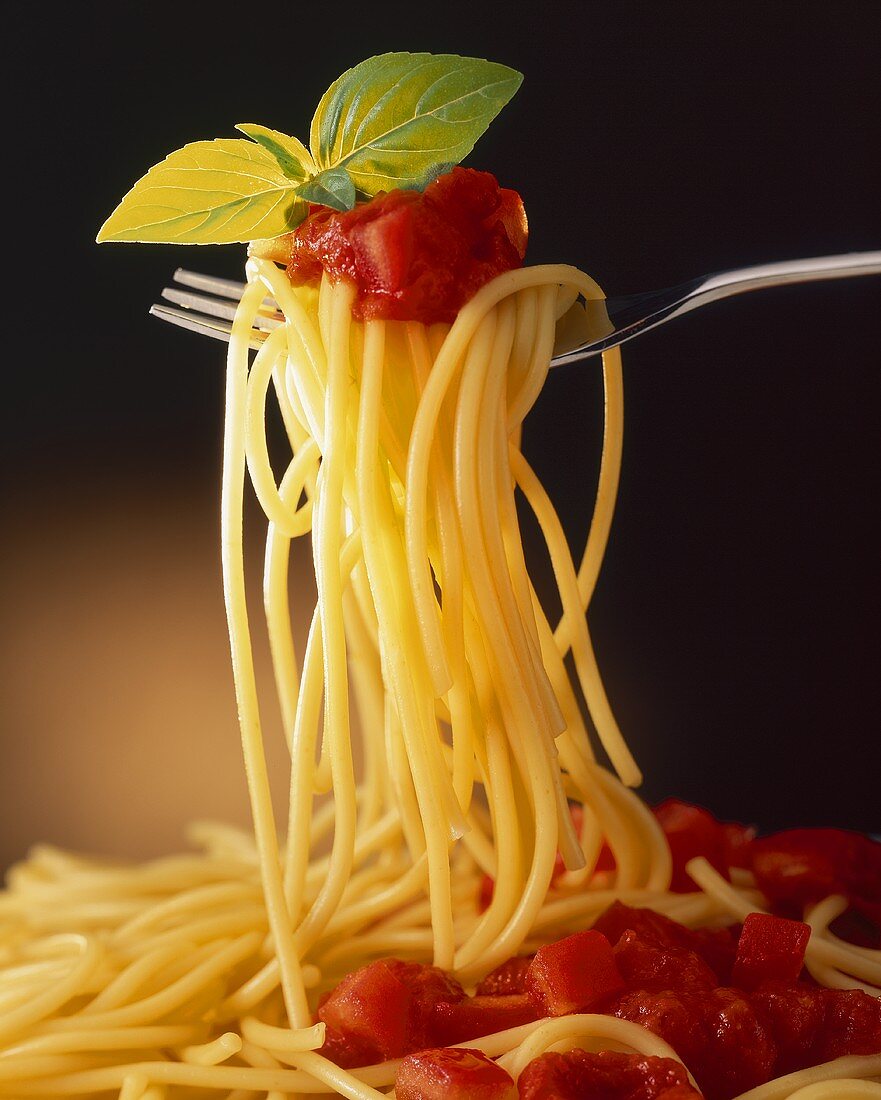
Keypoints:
(199, 975)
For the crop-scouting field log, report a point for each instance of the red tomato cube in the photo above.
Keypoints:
(851, 1024)
(691, 831)
(413, 255)
(508, 978)
(716, 1033)
(793, 1016)
(452, 1074)
(383, 247)
(385, 1007)
(573, 975)
(645, 966)
(346, 1050)
(769, 949)
(481, 1015)
(738, 844)
(800, 866)
(716, 946)
(605, 1075)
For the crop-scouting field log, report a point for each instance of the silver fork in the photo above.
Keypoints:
(208, 304)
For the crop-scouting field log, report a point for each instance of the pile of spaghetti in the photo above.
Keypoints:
(479, 825)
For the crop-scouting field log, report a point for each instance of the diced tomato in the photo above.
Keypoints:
(738, 840)
(573, 975)
(429, 984)
(646, 966)
(716, 946)
(769, 949)
(691, 831)
(482, 1015)
(793, 1016)
(512, 218)
(851, 1024)
(487, 888)
(812, 1025)
(451, 1074)
(801, 866)
(385, 1008)
(413, 256)
(605, 1075)
(346, 1050)
(508, 978)
(670, 1015)
(373, 1009)
(716, 1033)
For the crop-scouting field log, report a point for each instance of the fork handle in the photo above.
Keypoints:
(816, 268)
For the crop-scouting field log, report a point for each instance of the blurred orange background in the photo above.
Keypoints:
(118, 705)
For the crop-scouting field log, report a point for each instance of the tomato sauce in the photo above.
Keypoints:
(734, 1003)
(413, 256)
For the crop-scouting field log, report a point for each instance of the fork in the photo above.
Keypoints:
(207, 304)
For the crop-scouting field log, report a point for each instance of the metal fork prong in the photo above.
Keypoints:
(211, 284)
(217, 308)
(205, 326)
(590, 328)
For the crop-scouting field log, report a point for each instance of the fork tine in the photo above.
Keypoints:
(216, 308)
(224, 288)
(211, 284)
(205, 326)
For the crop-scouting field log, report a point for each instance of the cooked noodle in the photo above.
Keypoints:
(198, 975)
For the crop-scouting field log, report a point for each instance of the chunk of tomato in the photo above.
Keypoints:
(793, 1015)
(385, 1008)
(573, 975)
(605, 1075)
(452, 1074)
(801, 866)
(413, 256)
(769, 949)
(481, 1015)
(346, 1050)
(738, 843)
(508, 978)
(716, 946)
(691, 831)
(717, 1033)
(851, 1024)
(646, 966)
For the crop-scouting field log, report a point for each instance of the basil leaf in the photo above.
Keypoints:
(392, 120)
(292, 155)
(333, 187)
(209, 192)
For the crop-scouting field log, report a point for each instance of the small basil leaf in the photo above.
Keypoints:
(333, 187)
(292, 155)
(394, 119)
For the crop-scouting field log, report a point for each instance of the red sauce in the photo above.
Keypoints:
(414, 256)
(449, 1073)
(734, 1003)
(606, 1075)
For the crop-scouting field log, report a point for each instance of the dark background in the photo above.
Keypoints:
(737, 614)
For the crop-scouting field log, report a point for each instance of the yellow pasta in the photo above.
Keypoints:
(199, 975)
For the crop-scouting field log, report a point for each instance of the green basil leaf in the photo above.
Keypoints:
(392, 120)
(333, 187)
(292, 155)
(209, 192)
